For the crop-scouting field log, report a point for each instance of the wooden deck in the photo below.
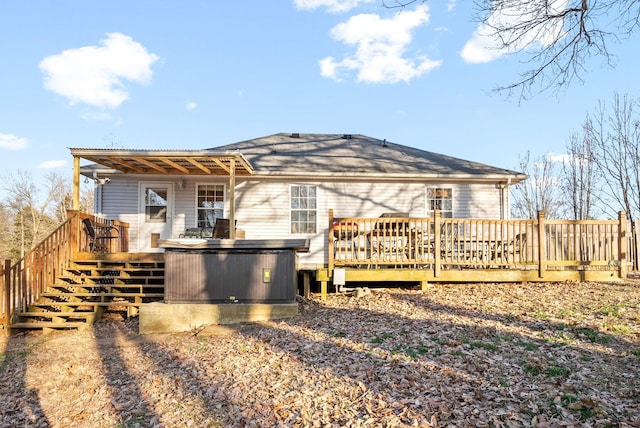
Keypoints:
(390, 249)
(423, 250)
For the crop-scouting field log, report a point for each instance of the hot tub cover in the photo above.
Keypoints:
(299, 245)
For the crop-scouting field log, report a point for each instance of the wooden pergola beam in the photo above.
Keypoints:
(151, 165)
(197, 164)
(175, 165)
(127, 165)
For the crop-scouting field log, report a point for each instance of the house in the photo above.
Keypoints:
(283, 185)
(329, 208)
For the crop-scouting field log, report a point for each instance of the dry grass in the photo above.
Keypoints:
(456, 355)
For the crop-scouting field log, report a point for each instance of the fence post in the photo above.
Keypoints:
(633, 245)
(7, 295)
(330, 243)
(542, 254)
(436, 243)
(622, 244)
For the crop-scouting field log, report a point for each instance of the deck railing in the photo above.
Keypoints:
(445, 243)
(22, 282)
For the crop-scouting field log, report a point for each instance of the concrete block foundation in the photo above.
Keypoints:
(160, 317)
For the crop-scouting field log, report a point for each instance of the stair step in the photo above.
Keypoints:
(51, 295)
(46, 314)
(125, 273)
(85, 303)
(146, 281)
(92, 275)
(117, 281)
(44, 324)
(112, 265)
(86, 288)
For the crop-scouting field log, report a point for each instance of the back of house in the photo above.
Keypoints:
(283, 186)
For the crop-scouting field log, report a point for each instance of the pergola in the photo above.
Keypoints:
(166, 162)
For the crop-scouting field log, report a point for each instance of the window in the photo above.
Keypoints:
(155, 205)
(210, 204)
(440, 199)
(303, 209)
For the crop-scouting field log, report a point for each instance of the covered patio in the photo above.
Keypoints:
(208, 163)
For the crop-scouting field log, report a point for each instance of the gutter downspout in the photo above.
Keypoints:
(506, 203)
(97, 200)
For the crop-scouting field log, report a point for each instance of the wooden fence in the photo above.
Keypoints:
(439, 244)
(22, 282)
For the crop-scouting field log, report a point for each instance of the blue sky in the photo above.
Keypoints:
(198, 74)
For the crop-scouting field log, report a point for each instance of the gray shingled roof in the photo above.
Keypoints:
(287, 154)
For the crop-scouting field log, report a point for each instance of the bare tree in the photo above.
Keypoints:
(556, 37)
(34, 217)
(540, 191)
(87, 200)
(6, 229)
(579, 179)
(616, 140)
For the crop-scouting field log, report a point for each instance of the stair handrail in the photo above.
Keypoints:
(25, 279)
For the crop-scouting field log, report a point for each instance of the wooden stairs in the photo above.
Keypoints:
(89, 287)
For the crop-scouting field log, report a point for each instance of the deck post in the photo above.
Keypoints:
(330, 246)
(542, 254)
(436, 243)
(7, 295)
(76, 184)
(232, 198)
(622, 244)
(306, 284)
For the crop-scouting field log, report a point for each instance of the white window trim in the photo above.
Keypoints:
(289, 209)
(225, 204)
(428, 212)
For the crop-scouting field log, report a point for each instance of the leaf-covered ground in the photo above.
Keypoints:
(492, 355)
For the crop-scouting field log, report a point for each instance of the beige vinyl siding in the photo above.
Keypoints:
(263, 211)
(120, 201)
(353, 199)
(359, 199)
(262, 208)
(475, 200)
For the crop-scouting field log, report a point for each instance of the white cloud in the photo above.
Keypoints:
(11, 142)
(95, 75)
(332, 6)
(52, 164)
(191, 105)
(485, 46)
(380, 46)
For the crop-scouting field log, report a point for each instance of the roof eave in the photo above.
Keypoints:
(504, 178)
